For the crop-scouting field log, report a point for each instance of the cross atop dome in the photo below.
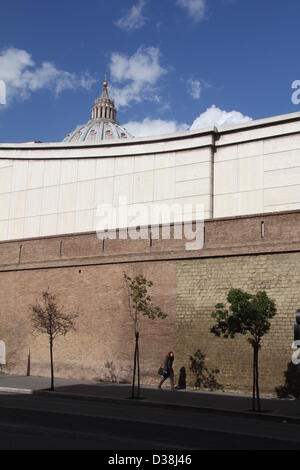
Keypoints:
(105, 90)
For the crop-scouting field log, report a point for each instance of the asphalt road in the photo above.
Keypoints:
(43, 422)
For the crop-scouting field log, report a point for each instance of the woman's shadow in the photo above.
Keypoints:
(182, 379)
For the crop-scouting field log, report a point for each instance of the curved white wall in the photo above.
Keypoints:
(49, 189)
(57, 196)
(257, 170)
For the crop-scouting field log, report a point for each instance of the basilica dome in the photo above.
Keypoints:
(103, 125)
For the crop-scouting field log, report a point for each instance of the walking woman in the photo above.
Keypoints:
(168, 372)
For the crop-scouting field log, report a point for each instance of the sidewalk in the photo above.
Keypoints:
(219, 402)
(30, 385)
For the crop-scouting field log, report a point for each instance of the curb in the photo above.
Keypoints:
(27, 391)
(173, 406)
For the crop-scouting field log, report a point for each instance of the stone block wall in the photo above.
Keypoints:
(203, 283)
(87, 277)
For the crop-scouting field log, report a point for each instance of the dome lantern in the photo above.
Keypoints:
(103, 125)
(104, 106)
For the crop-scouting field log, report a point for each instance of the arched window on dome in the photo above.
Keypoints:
(76, 136)
(92, 135)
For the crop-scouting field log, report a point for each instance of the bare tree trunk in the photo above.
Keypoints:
(257, 385)
(51, 364)
(253, 380)
(28, 364)
(138, 366)
(134, 369)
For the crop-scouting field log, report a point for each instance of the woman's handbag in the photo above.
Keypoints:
(162, 372)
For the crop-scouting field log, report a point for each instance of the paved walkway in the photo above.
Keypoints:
(20, 384)
(219, 402)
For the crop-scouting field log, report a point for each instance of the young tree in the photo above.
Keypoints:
(140, 304)
(248, 314)
(48, 318)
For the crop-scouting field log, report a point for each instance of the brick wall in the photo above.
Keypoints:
(203, 283)
(104, 330)
(87, 278)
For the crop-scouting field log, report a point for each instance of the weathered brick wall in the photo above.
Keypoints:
(203, 283)
(87, 278)
(104, 330)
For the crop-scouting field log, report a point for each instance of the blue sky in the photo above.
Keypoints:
(168, 62)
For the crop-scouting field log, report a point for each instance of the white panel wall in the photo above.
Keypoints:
(257, 177)
(49, 189)
(282, 173)
(49, 197)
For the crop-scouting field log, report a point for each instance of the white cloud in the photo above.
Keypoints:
(2, 92)
(195, 8)
(211, 117)
(23, 77)
(140, 72)
(134, 18)
(141, 66)
(217, 117)
(194, 88)
(150, 127)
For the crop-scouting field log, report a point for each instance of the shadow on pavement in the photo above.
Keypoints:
(217, 401)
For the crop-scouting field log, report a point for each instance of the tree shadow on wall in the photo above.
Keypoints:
(111, 372)
(291, 387)
(205, 377)
(120, 376)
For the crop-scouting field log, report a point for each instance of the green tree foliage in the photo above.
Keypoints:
(140, 305)
(248, 314)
